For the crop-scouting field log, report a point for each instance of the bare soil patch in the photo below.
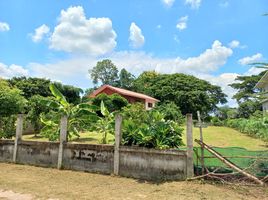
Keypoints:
(46, 183)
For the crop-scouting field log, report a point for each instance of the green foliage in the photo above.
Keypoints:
(7, 126)
(170, 111)
(256, 127)
(215, 121)
(105, 124)
(105, 72)
(113, 102)
(126, 79)
(247, 108)
(246, 87)
(187, 92)
(149, 129)
(11, 100)
(80, 116)
(35, 107)
(225, 112)
(40, 86)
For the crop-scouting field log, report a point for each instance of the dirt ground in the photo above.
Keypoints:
(27, 183)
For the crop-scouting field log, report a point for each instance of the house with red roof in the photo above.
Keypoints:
(132, 97)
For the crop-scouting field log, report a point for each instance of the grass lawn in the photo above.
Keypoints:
(28, 183)
(228, 137)
(216, 136)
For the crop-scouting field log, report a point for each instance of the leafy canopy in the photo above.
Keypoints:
(11, 100)
(107, 73)
(187, 92)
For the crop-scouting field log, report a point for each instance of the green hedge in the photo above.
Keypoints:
(256, 127)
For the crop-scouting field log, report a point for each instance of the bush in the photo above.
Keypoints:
(7, 126)
(256, 127)
(113, 102)
(149, 129)
(215, 121)
(171, 112)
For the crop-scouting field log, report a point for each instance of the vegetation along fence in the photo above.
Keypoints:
(129, 161)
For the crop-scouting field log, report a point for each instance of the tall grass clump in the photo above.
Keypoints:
(255, 127)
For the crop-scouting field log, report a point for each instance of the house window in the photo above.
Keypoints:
(150, 105)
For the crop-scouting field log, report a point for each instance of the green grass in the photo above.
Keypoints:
(85, 137)
(227, 137)
(215, 136)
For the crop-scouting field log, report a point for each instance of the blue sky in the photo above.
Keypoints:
(212, 39)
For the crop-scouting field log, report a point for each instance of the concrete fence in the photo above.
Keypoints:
(136, 162)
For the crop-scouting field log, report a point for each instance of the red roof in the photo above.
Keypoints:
(122, 92)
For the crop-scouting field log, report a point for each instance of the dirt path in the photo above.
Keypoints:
(44, 183)
(10, 195)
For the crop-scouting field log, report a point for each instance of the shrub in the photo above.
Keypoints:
(256, 127)
(7, 126)
(171, 112)
(215, 121)
(112, 102)
(149, 129)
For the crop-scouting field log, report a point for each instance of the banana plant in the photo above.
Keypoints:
(80, 117)
(105, 124)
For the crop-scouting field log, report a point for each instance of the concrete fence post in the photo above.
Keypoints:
(19, 129)
(190, 151)
(63, 139)
(118, 130)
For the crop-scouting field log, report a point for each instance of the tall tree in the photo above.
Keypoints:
(246, 87)
(39, 86)
(105, 72)
(188, 92)
(126, 79)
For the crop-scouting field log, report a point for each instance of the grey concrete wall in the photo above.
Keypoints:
(151, 164)
(141, 163)
(88, 157)
(6, 150)
(38, 153)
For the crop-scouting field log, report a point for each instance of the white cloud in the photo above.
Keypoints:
(159, 26)
(40, 32)
(236, 44)
(168, 3)
(182, 24)
(71, 70)
(223, 80)
(136, 37)
(12, 70)
(75, 33)
(4, 27)
(195, 4)
(250, 59)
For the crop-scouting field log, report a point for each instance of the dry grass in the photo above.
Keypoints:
(45, 183)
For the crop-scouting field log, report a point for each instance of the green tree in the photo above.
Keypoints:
(11, 103)
(126, 79)
(246, 87)
(248, 108)
(11, 100)
(39, 86)
(187, 92)
(35, 109)
(105, 72)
